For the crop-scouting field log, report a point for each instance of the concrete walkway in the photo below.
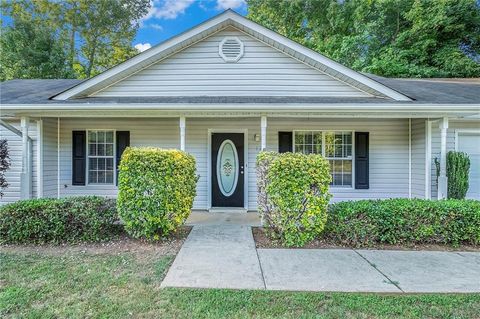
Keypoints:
(224, 256)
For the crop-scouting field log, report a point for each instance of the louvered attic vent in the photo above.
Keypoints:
(231, 49)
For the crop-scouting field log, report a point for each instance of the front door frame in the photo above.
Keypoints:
(209, 164)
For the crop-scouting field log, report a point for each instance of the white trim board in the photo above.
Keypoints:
(255, 30)
(460, 131)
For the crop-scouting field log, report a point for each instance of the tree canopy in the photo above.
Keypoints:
(396, 38)
(90, 35)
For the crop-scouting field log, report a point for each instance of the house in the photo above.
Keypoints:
(225, 90)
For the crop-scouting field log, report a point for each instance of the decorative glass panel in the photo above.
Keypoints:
(227, 168)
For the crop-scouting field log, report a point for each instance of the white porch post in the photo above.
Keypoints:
(182, 133)
(25, 175)
(39, 158)
(442, 179)
(263, 135)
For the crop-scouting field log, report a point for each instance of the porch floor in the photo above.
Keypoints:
(223, 218)
(221, 254)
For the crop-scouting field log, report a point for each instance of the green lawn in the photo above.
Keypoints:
(79, 285)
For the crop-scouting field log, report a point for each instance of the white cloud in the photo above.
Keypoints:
(167, 9)
(142, 46)
(155, 26)
(229, 4)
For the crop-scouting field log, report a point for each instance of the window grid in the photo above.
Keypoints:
(101, 154)
(335, 146)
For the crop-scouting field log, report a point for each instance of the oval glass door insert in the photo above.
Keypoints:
(227, 168)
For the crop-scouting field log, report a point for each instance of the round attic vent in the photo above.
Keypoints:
(231, 49)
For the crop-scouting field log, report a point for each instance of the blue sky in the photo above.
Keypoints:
(168, 18)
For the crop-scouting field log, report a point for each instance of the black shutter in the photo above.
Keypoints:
(361, 161)
(79, 157)
(285, 142)
(123, 141)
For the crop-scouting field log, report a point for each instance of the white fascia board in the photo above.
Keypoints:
(258, 107)
(205, 26)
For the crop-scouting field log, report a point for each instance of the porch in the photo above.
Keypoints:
(401, 151)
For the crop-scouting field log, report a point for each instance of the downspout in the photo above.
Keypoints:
(410, 158)
(23, 178)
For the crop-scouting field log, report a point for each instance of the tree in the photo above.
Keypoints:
(404, 38)
(91, 32)
(4, 165)
(31, 50)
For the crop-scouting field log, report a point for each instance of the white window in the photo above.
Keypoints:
(335, 146)
(101, 155)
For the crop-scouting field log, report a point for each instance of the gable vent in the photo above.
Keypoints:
(231, 49)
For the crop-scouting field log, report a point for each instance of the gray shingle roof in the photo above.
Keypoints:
(425, 91)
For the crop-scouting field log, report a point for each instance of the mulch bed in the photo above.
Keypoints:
(122, 244)
(262, 241)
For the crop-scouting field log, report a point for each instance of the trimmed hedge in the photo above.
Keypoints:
(293, 195)
(404, 222)
(47, 220)
(156, 190)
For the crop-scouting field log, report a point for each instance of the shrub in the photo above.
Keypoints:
(4, 165)
(458, 166)
(293, 195)
(156, 190)
(404, 221)
(58, 220)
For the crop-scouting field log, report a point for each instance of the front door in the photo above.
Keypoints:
(227, 170)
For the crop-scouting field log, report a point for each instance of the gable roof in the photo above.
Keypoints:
(423, 91)
(221, 21)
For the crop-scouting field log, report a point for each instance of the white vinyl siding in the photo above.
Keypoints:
(388, 151)
(199, 70)
(50, 155)
(388, 154)
(143, 132)
(418, 158)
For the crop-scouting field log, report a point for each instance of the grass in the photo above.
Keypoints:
(79, 285)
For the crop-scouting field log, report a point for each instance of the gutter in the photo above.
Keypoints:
(241, 107)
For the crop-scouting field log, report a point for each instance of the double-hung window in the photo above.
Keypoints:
(101, 156)
(335, 146)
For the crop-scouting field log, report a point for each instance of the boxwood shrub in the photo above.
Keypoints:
(47, 220)
(293, 195)
(404, 222)
(156, 190)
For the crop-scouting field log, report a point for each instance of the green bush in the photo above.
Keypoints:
(72, 219)
(404, 222)
(156, 190)
(293, 195)
(458, 166)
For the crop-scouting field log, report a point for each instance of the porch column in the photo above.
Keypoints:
(263, 135)
(26, 174)
(39, 158)
(182, 133)
(442, 179)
